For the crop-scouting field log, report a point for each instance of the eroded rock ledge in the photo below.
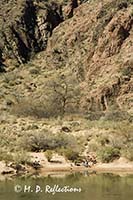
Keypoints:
(25, 27)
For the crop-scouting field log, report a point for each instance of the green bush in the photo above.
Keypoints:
(128, 153)
(60, 96)
(28, 108)
(108, 154)
(49, 155)
(103, 140)
(93, 146)
(127, 71)
(117, 115)
(47, 141)
(21, 157)
(92, 116)
(6, 156)
(70, 154)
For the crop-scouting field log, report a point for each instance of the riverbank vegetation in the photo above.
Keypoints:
(72, 137)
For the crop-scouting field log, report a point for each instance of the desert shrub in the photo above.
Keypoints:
(103, 140)
(6, 156)
(127, 71)
(46, 108)
(38, 109)
(64, 94)
(60, 96)
(108, 154)
(70, 154)
(49, 155)
(28, 108)
(7, 141)
(93, 146)
(117, 115)
(21, 157)
(94, 115)
(125, 129)
(46, 141)
(128, 153)
(117, 141)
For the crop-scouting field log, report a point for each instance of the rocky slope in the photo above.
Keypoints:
(97, 46)
(94, 47)
(25, 27)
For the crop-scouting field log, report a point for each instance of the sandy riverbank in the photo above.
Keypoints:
(60, 164)
(118, 166)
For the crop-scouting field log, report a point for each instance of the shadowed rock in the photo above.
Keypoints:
(25, 27)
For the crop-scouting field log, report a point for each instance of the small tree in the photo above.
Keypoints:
(64, 93)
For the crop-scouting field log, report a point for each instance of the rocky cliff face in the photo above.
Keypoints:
(96, 44)
(25, 27)
(93, 44)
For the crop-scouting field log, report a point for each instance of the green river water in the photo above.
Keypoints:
(89, 187)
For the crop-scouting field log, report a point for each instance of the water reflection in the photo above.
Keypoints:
(94, 187)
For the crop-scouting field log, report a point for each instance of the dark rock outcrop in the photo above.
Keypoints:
(2, 66)
(25, 27)
(68, 11)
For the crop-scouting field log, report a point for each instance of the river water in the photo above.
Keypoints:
(87, 187)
